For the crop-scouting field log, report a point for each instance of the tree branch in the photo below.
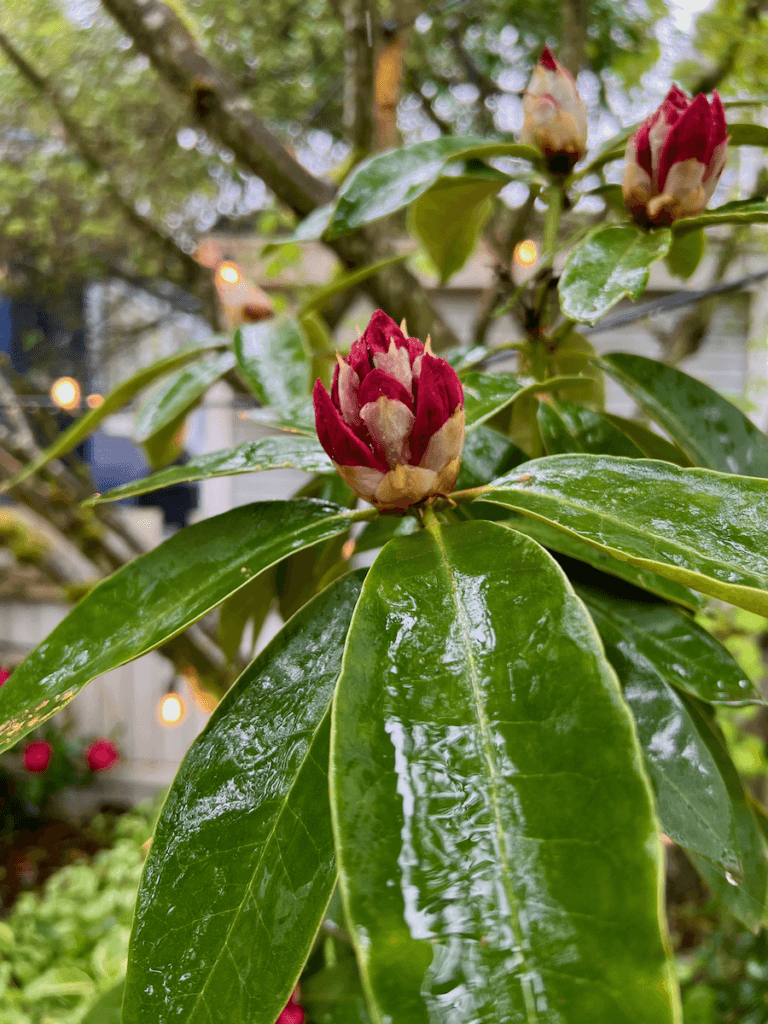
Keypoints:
(361, 70)
(224, 114)
(573, 34)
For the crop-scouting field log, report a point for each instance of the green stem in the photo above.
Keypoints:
(554, 200)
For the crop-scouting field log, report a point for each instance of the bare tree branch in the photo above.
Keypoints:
(361, 73)
(573, 34)
(224, 113)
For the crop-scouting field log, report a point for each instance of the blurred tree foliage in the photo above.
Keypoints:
(103, 174)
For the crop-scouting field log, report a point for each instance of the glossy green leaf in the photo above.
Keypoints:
(498, 854)
(295, 417)
(449, 218)
(745, 134)
(296, 452)
(487, 455)
(485, 394)
(733, 897)
(681, 651)
(613, 262)
(272, 358)
(699, 798)
(574, 547)
(741, 211)
(686, 252)
(652, 445)
(390, 181)
(311, 229)
(156, 596)
(486, 150)
(179, 393)
(376, 534)
(108, 1008)
(709, 428)
(249, 604)
(567, 427)
(704, 529)
(167, 443)
(242, 864)
(115, 400)
(466, 357)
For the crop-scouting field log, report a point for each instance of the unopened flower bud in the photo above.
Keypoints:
(394, 421)
(101, 755)
(37, 756)
(675, 159)
(555, 115)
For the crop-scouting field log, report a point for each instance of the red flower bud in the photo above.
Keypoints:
(4, 675)
(394, 420)
(101, 755)
(555, 115)
(37, 756)
(292, 1013)
(675, 159)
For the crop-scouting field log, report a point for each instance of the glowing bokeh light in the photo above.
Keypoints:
(229, 273)
(171, 709)
(65, 392)
(94, 401)
(525, 254)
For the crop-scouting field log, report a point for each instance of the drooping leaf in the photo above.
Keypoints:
(498, 861)
(167, 443)
(699, 797)
(567, 427)
(449, 218)
(652, 445)
(681, 651)
(311, 228)
(115, 400)
(703, 529)
(242, 863)
(487, 455)
(155, 597)
(390, 181)
(612, 262)
(686, 252)
(272, 358)
(295, 417)
(741, 211)
(177, 395)
(297, 452)
(574, 547)
(745, 134)
(710, 430)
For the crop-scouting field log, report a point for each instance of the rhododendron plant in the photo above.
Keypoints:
(555, 118)
(675, 159)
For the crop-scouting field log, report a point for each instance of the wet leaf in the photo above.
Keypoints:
(272, 358)
(652, 445)
(567, 427)
(487, 454)
(741, 211)
(177, 395)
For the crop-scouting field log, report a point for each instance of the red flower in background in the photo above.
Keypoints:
(292, 1013)
(5, 675)
(394, 420)
(101, 755)
(675, 159)
(37, 756)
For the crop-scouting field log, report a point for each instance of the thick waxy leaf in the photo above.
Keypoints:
(485, 394)
(612, 262)
(449, 218)
(682, 652)
(390, 181)
(272, 357)
(376, 534)
(741, 211)
(745, 134)
(487, 455)
(652, 445)
(709, 428)
(157, 596)
(497, 845)
(685, 253)
(242, 864)
(486, 150)
(566, 427)
(704, 529)
(115, 400)
(296, 417)
(699, 798)
(179, 393)
(466, 357)
(575, 547)
(268, 453)
(733, 895)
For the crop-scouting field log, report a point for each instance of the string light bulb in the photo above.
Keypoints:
(171, 710)
(65, 392)
(526, 253)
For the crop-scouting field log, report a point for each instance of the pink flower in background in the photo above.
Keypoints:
(37, 756)
(292, 1013)
(101, 755)
(555, 118)
(394, 420)
(675, 159)
(4, 675)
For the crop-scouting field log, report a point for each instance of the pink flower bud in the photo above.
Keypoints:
(292, 1012)
(555, 115)
(101, 755)
(37, 756)
(394, 420)
(675, 159)
(5, 675)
